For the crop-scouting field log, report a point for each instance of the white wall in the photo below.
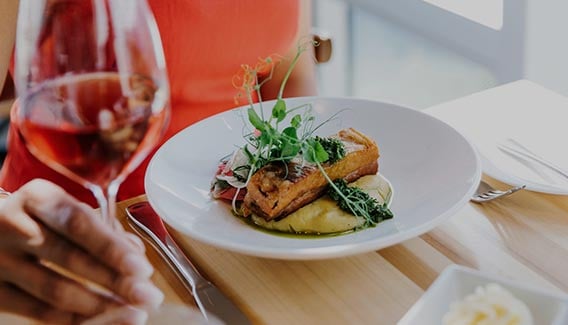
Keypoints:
(546, 45)
(420, 52)
(380, 58)
(332, 17)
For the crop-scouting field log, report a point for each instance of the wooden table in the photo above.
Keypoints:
(523, 237)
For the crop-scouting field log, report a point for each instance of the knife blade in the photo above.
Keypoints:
(209, 299)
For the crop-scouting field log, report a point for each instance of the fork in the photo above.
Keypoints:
(486, 193)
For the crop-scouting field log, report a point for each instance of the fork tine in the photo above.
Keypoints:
(478, 199)
(492, 194)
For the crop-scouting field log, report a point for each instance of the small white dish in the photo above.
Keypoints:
(456, 282)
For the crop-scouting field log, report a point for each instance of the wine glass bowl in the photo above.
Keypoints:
(93, 89)
(91, 130)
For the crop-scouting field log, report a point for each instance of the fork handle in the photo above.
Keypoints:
(533, 157)
(515, 189)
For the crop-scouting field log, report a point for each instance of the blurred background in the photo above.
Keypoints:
(419, 53)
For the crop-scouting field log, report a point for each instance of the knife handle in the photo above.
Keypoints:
(210, 300)
(183, 265)
(171, 252)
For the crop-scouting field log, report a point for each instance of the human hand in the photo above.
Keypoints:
(42, 223)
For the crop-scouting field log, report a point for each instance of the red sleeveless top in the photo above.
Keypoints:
(205, 42)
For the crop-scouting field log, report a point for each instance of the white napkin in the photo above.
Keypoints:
(532, 115)
(552, 151)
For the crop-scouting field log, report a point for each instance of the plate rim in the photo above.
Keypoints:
(328, 251)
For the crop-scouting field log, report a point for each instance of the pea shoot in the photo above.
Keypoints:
(269, 142)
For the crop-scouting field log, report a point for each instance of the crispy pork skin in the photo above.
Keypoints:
(279, 189)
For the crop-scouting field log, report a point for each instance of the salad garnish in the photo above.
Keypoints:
(285, 135)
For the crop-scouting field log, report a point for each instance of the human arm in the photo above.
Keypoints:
(41, 225)
(302, 81)
(8, 17)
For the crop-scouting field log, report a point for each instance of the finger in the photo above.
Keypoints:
(136, 241)
(50, 287)
(66, 216)
(15, 224)
(123, 315)
(134, 290)
(18, 302)
(81, 225)
(140, 292)
(54, 248)
(62, 252)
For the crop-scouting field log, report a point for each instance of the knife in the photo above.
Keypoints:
(209, 299)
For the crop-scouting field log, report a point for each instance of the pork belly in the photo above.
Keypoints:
(279, 189)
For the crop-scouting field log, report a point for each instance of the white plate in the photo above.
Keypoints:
(432, 168)
(457, 282)
(524, 111)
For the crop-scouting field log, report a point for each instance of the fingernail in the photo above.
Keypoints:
(146, 293)
(136, 316)
(138, 265)
(138, 244)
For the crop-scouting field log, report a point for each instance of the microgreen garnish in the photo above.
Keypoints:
(359, 203)
(268, 143)
(334, 148)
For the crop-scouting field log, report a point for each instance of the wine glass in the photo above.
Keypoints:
(93, 89)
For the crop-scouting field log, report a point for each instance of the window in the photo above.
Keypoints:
(485, 12)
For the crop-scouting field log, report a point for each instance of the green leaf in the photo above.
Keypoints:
(314, 152)
(290, 132)
(296, 120)
(334, 148)
(279, 110)
(290, 150)
(255, 120)
(321, 154)
(268, 135)
(290, 144)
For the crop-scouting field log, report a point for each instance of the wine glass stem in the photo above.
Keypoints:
(106, 197)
